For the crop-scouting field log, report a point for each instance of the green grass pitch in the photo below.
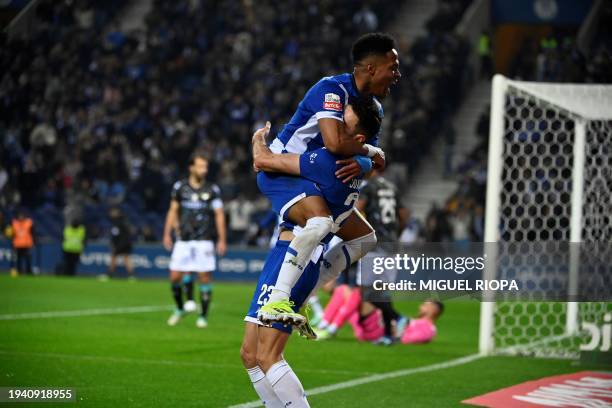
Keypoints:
(136, 360)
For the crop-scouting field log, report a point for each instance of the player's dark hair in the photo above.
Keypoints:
(198, 154)
(440, 306)
(368, 114)
(372, 44)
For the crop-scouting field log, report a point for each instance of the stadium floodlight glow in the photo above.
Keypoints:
(549, 180)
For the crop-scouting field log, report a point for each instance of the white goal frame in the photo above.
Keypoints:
(581, 109)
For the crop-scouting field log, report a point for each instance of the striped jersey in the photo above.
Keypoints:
(326, 99)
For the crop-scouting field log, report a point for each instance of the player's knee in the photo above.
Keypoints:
(176, 277)
(369, 242)
(359, 247)
(248, 355)
(317, 228)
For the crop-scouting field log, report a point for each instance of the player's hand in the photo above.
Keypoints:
(221, 248)
(373, 151)
(349, 170)
(258, 142)
(167, 242)
(379, 162)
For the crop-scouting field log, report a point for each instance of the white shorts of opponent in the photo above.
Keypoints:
(193, 256)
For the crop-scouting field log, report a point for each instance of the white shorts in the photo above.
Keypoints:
(193, 256)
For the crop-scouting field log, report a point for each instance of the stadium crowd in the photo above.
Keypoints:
(554, 58)
(95, 116)
(557, 58)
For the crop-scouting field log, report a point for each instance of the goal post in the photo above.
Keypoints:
(549, 180)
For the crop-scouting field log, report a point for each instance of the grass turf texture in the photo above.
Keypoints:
(137, 360)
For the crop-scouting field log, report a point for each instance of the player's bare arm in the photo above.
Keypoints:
(170, 224)
(338, 140)
(265, 160)
(221, 231)
(349, 168)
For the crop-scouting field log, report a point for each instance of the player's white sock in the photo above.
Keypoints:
(263, 388)
(314, 302)
(342, 255)
(286, 385)
(332, 329)
(298, 255)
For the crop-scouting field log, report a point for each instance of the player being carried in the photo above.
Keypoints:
(317, 123)
(263, 346)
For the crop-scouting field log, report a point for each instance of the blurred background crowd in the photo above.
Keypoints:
(95, 117)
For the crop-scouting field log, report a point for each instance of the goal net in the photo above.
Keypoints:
(548, 214)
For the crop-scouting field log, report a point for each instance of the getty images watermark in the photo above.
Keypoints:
(553, 271)
(459, 265)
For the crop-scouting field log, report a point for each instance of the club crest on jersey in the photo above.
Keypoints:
(312, 157)
(332, 102)
(205, 196)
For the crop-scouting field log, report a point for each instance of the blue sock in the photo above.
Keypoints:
(188, 286)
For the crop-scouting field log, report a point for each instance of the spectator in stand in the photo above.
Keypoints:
(117, 111)
(477, 224)
(411, 233)
(484, 52)
(240, 210)
(449, 134)
(366, 19)
(460, 224)
(437, 226)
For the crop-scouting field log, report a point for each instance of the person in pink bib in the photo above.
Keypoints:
(423, 328)
(367, 324)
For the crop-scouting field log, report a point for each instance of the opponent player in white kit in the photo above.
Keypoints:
(197, 209)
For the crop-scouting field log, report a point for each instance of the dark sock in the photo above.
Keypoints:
(188, 286)
(389, 314)
(177, 293)
(205, 297)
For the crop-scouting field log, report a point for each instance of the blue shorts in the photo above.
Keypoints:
(283, 191)
(267, 280)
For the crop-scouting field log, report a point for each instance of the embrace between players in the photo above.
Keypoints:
(311, 174)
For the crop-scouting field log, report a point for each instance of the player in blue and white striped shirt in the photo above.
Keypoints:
(318, 122)
(262, 347)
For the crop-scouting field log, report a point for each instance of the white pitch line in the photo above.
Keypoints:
(84, 312)
(377, 377)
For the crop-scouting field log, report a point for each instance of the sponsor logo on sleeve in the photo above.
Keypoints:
(332, 102)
